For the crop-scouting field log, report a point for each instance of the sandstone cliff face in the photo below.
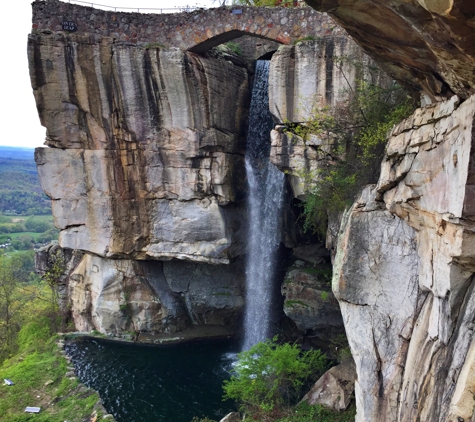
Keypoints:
(147, 156)
(404, 264)
(146, 163)
(312, 74)
(404, 269)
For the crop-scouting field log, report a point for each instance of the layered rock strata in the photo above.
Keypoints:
(147, 156)
(145, 163)
(304, 79)
(404, 269)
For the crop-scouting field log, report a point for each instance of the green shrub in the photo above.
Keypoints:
(234, 47)
(306, 413)
(355, 132)
(269, 376)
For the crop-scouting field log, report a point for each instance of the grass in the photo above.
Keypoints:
(22, 218)
(296, 303)
(18, 234)
(306, 413)
(40, 381)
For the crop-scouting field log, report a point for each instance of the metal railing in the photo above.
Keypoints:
(138, 9)
(294, 3)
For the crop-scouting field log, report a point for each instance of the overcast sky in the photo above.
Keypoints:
(19, 120)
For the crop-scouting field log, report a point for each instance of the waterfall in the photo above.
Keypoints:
(266, 191)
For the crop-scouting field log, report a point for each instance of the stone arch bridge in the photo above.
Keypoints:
(195, 31)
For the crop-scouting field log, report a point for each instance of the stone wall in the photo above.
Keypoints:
(197, 31)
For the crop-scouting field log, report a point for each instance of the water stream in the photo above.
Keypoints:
(266, 192)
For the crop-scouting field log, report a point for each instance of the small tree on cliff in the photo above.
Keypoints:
(52, 278)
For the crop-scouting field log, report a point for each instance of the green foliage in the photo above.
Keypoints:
(296, 304)
(34, 334)
(52, 278)
(354, 134)
(33, 360)
(307, 38)
(15, 296)
(20, 189)
(23, 233)
(154, 45)
(269, 377)
(234, 47)
(322, 273)
(306, 413)
(39, 376)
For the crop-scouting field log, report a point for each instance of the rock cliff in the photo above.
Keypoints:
(145, 166)
(404, 266)
(404, 269)
(425, 44)
(146, 154)
(146, 162)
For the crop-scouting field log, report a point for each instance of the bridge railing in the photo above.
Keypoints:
(179, 9)
(138, 9)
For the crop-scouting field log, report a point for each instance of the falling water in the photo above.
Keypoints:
(266, 185)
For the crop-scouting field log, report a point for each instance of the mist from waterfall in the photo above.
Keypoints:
(266, 192)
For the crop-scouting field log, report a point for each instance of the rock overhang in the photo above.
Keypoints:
(427, 45)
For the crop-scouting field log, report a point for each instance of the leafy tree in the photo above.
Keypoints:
(37, 226)
(270, 376)
(52, 278)
(14, 296)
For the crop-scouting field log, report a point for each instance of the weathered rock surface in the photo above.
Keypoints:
(335, 388)
(426, 44)
(115, 296)
(312, 74)
(305, 78)
(404, 271)
(67, 260)
(148, 149)
(309, 301)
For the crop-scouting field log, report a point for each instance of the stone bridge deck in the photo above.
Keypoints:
(195, 31)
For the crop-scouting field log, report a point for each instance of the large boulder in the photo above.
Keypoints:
(309, 301)
(335, 387)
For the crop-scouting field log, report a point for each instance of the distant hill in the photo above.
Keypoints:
(17, 153)
(20, 188)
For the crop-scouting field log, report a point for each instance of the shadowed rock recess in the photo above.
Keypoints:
(403, 272)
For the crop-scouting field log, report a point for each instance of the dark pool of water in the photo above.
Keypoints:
(139, 383)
